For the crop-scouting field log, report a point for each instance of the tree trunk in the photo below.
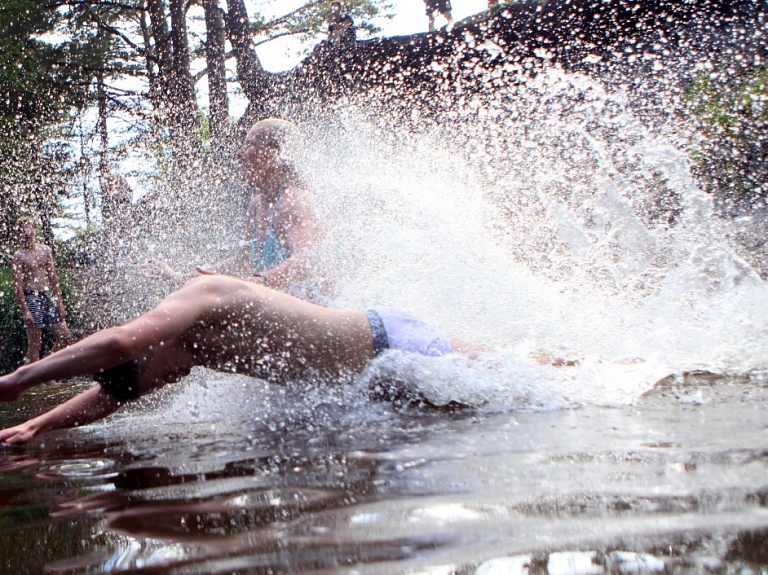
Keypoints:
(162, 46)
(174, 82)
(106, 201)
(216, 59)
(250, 72)
(183, 109)
(151, 56)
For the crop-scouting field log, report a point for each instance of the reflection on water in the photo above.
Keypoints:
(674, 483)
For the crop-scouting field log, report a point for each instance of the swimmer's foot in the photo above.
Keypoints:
(628, 360)
(570, 360)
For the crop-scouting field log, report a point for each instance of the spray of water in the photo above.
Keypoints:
(553, 221)
(542, 218)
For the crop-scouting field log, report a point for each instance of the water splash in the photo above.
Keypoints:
(556, 220)
(543, 217)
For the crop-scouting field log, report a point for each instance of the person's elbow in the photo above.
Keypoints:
(119, 344)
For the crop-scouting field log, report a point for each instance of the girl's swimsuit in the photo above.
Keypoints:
(393, 328)
(273, 251)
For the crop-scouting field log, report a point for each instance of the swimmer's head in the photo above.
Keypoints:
(270, 145)
(275, 132)
(26, 228)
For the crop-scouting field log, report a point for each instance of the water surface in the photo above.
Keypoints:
(674, 482)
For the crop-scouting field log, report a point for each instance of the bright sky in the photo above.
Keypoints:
(409, 19)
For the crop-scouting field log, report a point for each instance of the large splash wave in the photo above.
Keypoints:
(546, 217)
(550, 219)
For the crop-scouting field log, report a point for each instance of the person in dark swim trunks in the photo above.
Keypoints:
(37, 288)
(222, 323)
(42, 308)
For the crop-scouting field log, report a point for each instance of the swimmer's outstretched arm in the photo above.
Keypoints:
(98, 351)
(110, 347)
(84, 408)
(101, 350)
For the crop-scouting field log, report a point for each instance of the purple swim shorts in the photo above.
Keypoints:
(393, 328)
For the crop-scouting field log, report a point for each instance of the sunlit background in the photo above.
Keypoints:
(408, 18)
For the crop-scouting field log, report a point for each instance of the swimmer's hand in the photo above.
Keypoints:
(157, 270)
(19, 434)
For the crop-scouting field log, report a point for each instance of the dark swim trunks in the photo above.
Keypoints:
(393, 328)
(43, 309)
(441, 6)
(119, 381)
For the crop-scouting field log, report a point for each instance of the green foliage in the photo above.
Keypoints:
(31, 89)
(49, 56)
(310, 20)
(731, 108)
(47, 60)
(26, 62)
(14, 339)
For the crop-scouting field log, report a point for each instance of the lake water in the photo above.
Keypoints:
(674, 483)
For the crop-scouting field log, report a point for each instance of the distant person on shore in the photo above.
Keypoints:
(493, 4)
(441, 6)
(226, 324)
(117, 208)
(282, 233)
(37, 287)
(117, 195)
(341, 27)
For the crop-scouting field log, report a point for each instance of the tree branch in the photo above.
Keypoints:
(105, 3)
(112, 30)
(286, 17)
(281, 35)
